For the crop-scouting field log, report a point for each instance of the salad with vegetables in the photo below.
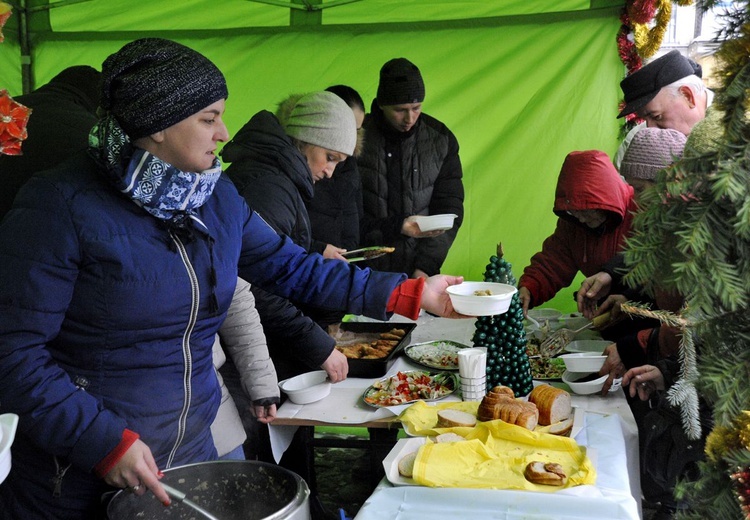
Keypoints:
(407, 387)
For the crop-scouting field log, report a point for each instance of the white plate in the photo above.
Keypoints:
(8, 425)
(442, 222)
(431, 353)
(390, 463)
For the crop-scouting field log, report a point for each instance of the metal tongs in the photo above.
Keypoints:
(558, 340)
(179, 496)
(362, 253)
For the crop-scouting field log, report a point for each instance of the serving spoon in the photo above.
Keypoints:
(179, 496)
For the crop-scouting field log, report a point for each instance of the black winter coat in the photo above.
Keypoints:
(409, 173)
(273, 177)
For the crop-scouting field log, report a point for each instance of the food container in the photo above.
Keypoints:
(8, 425)
(583, 362)
(466, 300)
(584, 383)
(230, 490)
(307, 388)
(595, 346)
(545, 314)
(442, 222)
(366, 331)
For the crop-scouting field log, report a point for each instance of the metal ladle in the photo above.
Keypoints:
(179, 496)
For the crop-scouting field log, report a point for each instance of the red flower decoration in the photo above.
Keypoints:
(5, 12)
(13, 119)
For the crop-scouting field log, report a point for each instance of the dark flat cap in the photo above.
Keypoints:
(644, 84)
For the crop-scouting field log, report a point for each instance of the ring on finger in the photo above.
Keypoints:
(135, 488)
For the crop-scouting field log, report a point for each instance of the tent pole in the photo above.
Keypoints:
(27, 76)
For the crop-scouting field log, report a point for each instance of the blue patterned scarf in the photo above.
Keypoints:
(158, 187)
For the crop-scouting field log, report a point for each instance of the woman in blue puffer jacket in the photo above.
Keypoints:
(118, 269)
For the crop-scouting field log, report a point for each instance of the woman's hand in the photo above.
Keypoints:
(593, 289)
(264, 414)
(334, 253)
(137, 471)
(644, 380)
(525, 296)
(612, 366)
(410, 228)
(434, 298)
(336, 366)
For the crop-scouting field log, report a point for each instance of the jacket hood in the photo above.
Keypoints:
(589, 180)
(80, 83)
(284, 111)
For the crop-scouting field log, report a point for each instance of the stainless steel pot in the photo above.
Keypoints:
(230, 490)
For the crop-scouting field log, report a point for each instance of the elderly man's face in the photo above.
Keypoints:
(678, 112)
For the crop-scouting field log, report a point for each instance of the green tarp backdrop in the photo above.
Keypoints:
(520, 82)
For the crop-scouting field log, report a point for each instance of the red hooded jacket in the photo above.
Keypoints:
(588, 180)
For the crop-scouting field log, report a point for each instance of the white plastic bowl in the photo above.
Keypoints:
(545, 314)
(583, 362)
(307, 388)
(589, 387)
(467, 302)
(590, 346)
(8, 424)
(442, 222)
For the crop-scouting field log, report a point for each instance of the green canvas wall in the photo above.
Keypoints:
(519, 92)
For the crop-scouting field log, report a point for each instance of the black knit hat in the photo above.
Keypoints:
(644, 84)
(151, 84)
(400, 83)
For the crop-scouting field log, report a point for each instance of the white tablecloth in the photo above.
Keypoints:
(610, 498)
(609, 428)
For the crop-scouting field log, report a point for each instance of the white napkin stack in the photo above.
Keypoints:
(472, 366)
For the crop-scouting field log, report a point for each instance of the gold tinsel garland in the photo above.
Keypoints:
(727, 438)
(648, 39)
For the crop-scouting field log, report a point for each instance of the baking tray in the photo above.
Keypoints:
(369, 368)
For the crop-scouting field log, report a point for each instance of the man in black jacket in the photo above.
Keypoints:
(409, 167)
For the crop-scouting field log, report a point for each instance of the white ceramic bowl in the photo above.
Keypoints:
(442, 222)
(588, 387)
(545, 314)
(467, 302)
(583, 362)
(307, 388)
(589, 346)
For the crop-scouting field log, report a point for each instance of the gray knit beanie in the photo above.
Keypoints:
(400, 83)
(150, 84)
(651, 150)
(323, 119)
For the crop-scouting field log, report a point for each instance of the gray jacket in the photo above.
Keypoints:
(241, 337)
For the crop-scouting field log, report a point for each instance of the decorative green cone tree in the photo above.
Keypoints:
(504, 335)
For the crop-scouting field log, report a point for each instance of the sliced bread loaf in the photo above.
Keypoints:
(450, 418)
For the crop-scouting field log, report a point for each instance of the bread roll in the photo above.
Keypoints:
(553, 404)
(450, 418)
(406, 464)
(549, 474)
